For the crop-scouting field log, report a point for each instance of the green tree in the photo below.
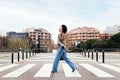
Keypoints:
(90, 42)
(100, 44)
(114, 41)
(83, 45)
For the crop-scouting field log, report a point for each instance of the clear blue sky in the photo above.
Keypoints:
(16, 15)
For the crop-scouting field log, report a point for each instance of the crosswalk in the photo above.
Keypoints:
(96, 71)
(45, 70)
(68, 72)
(19, 71)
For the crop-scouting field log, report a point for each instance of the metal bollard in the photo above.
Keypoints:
(30, 53)
(92, 55)
(88, 54)
(26, 54)
(82, 52)
(18, 56)
(23, 55)
(103, 56)
(12, 58)
(96, 55)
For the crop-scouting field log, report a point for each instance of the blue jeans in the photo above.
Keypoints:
(62, 53)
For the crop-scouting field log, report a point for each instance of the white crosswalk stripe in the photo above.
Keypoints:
(45, 71)
(96, 71)
(114, 68)
(68, 72)
(1, 64)
(7, 67)
(19, 71)
(118, 64)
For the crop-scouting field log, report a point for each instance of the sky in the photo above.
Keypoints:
(16, 15)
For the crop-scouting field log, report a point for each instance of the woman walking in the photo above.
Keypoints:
(62, 50)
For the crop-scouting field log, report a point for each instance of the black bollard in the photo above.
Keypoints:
(12, 58)
(103, 56)
(30, 53)
(18, 56)
(96, 55)
(92, 55)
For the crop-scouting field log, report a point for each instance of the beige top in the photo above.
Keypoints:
(61, 40)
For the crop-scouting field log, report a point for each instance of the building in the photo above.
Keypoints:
(104, 36)
(44, 36)
(112, 29)
(82, 34)
(11, 35)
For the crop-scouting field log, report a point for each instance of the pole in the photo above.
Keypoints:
(92, 55)
(18, 56)
(103, 56)
(12, 58)
(96, 55)
(22, 54)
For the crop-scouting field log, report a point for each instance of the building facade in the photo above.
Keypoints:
(82, 34)
(44, 36)
(104, 36)
(11, 35)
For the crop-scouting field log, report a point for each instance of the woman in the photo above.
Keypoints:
(62, 50)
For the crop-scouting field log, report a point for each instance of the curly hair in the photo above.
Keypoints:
(64, 28)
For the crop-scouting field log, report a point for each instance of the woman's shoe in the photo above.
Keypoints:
(53, 71)
(74, 69)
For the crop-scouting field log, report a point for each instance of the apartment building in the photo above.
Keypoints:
(104, 36)
(43, 35)
(82, 34)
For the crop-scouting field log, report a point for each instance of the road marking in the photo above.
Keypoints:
(7, 67)
(45, 71)
(118, 64)
(1, 64)
(96, 71)
(68, 72)
(117, 69)
(19, 71)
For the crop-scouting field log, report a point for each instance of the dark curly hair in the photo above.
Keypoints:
(64, 28)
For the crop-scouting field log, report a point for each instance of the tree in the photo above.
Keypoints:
(72, 46)
(16, 43)
(83, 45)
(100, 44)
(114, 41)
(90, 42)
(3, 42)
